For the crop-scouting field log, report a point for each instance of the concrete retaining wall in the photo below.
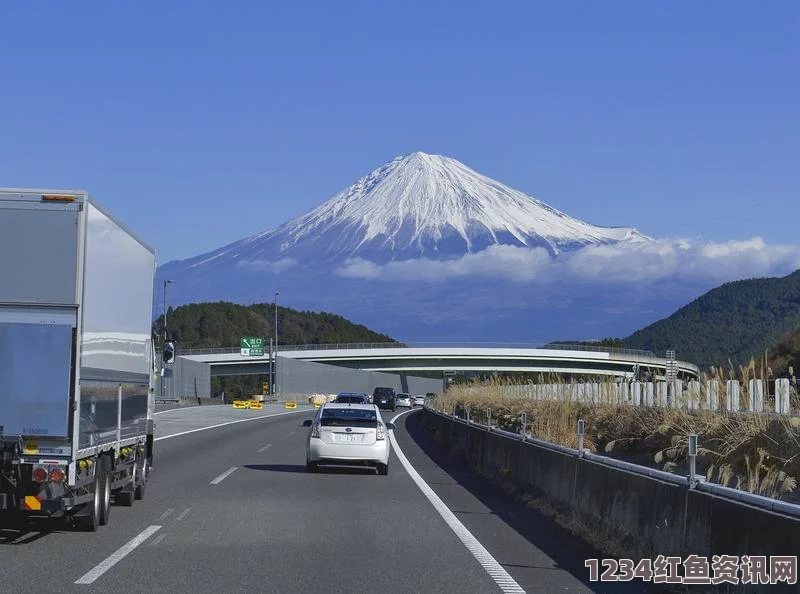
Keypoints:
(640, 512)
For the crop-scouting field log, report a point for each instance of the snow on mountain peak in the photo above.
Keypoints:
(417, 205)
(417, 200)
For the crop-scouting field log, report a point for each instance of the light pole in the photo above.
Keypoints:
(166, 282)
(275, 364)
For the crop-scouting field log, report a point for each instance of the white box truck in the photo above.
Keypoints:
(77, 358)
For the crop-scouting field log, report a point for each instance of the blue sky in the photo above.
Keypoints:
(199, 124)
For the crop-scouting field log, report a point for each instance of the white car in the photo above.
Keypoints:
(419, 400)
(350, 435)
(402, 399)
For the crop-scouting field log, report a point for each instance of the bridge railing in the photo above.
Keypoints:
(620, 352)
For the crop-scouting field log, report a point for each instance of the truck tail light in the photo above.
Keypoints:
(57, 475)
(39, 474)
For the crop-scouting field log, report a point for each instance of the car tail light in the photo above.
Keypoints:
(40, 475)
(315, 430)
(56, 475)
(381, 432)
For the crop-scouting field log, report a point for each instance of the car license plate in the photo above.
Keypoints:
(348, 437)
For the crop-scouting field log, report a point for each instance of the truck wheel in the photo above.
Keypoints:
(91, 521)
(105, 495)
(139, 478)
(124, 496)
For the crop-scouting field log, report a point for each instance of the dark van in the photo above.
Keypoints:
(384, 398)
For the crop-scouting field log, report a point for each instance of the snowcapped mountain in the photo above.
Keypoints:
(415, 206)
(406, 218)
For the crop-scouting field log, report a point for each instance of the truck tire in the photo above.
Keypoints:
(139, 478)
(124, 496)
(105, 494)
(91, 521)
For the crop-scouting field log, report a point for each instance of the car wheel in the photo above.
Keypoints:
(311, 467)
(383, 469)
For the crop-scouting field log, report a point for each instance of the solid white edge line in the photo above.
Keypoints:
(224, 475)
(99, 569)
(496, 571)
(291, 412)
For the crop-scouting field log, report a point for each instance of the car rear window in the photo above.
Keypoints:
(346, 417)
(353, 399)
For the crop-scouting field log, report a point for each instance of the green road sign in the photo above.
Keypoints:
(251, 346)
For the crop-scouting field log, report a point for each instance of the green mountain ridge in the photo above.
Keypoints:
(221, 324)
(732, 323)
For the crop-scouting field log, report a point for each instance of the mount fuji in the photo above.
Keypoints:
(411, 249)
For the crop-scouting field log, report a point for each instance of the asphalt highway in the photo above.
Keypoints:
(230, 508)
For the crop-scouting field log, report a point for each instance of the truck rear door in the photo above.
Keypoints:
(39, 241)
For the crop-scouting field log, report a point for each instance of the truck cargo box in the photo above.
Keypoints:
(76, 351)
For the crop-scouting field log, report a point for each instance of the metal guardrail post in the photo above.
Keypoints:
(692, 460)
(523, 425)
(489, 418)
(581, 433)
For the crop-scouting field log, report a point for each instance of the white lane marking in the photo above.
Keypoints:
(183, 514)
(224, 475)
(291, 412)
(158, 539)
(264, 448)
(500, 576)
(116, 557)
(290, 434)
(165, 514)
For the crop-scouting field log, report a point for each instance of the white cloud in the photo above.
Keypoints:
(635, 262)
(266, 266)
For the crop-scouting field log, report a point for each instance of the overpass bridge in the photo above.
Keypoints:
(395, 357)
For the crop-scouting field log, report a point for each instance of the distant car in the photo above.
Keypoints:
(403, 399)
(350, 435)
(351, 398)
(419, 400)
(384, 398)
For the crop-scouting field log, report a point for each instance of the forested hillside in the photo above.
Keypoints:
(736, 321)
(222, 324)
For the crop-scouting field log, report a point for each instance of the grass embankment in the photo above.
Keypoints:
(755, 453)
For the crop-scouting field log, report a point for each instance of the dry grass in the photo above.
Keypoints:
(756, 453)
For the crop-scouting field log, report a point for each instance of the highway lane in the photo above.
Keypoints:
(232, 508)
(50, 548)
(538, 553)
(270, 527)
